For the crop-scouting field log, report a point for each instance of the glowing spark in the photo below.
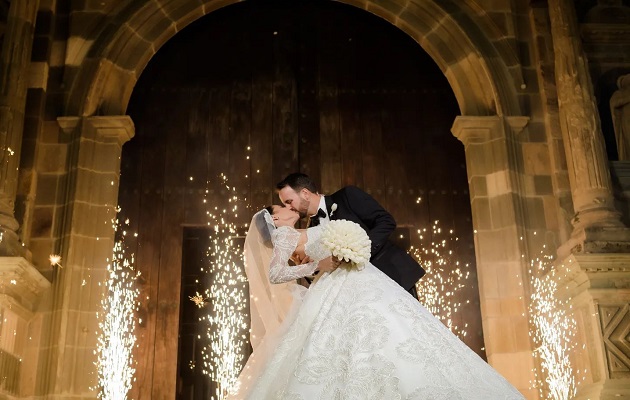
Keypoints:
(116, 337)
(223, 357)
(445, 278)
(553, 333)
(55, 259)
(198, 300)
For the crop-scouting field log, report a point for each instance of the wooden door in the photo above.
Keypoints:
(260, 89)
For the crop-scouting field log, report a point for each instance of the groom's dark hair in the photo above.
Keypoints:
(297, 181)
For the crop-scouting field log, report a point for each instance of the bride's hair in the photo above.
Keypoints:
(265, 224)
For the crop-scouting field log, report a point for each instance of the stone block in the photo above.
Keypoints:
(46, 193)
(543, 185)
(499, 335)
(550, 205)
(38, 75)
(83, 24)
(511, 280)
(99, 157)
(93, 220)
(517, 367)
(392, 8)
(502, 210)
(488, 276)
(536, 158)
(97, 188)
(35, 102)
(76, 50)
(513, 307)
(52, 158)
(498, 183)
(478, 187)
(160, 29)
(481, 213)
(43, 23)
(41, 226)
(535, 216)
(500, 245)
(491, 306)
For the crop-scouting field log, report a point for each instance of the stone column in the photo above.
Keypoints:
(21, 289)
(87, 243)
(597, 287)
(597, 225)
(14, 67)
(492, 164)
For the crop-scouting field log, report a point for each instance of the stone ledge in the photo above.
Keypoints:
(21, 281)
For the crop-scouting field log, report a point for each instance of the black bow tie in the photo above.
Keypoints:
(315, 218)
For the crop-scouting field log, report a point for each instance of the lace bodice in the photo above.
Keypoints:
(314, 248)
(285, 239)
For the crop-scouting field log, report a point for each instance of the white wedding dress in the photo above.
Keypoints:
(356, 334)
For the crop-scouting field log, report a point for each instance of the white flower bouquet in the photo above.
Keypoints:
(347, 241)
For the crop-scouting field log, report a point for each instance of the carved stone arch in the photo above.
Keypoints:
(479, 76)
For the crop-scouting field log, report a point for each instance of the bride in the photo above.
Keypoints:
(354, 334)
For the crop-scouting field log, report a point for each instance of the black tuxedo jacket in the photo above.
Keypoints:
(355, 205)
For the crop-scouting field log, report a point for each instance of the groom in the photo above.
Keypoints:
(300, 193)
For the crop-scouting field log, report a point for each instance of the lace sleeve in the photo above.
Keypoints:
(285, 241)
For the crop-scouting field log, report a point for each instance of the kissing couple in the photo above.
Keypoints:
(356, 332)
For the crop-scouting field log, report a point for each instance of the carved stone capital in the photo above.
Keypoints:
(116, 127)
(21, 282)
(119, 127)
(482, 129)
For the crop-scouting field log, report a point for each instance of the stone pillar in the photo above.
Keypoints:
(14, 63)
(597, 287)
(21, 288)
(597, 225)
(492, 164)
(87, 243)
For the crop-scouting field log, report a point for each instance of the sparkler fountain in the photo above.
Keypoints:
(116, 338)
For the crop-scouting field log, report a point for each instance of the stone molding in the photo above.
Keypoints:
(22, 282)
(118, 127)
(482, 129)
(605, 33)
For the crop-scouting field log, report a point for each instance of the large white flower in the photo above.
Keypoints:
(348, 241)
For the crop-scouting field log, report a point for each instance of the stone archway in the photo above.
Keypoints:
(468, 59)
(482, 80)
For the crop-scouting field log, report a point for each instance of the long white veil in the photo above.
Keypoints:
(269, 303)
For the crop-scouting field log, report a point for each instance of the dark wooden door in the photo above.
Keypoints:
(260, 89)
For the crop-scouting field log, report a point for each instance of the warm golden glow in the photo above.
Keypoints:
(116, 337)
(553, 332)
(55, 259)
(226, 321)
(445, 277)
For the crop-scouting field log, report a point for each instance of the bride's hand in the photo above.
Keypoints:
(328, 264)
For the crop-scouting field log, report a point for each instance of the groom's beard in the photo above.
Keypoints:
(303, 208)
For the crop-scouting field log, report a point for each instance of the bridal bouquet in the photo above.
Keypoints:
(347, 241)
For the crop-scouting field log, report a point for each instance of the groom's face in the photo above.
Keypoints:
(297, 201)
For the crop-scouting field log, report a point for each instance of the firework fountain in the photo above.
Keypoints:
(226, 319)
(553, 332)
(445, 275)
(116, 338)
